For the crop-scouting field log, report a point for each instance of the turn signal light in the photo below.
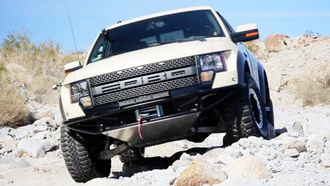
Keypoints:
(86, 101)
(207, 76)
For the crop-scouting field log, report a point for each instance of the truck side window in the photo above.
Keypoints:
(98, 52)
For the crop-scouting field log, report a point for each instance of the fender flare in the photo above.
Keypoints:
(264, 90)
(242, 67)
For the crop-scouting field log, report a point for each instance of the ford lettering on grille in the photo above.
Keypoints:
(144, 80)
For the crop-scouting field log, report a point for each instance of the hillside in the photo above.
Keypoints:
(27, 73)
(299, 76)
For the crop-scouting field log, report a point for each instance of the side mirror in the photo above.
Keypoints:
(246, 32)
(70, 67)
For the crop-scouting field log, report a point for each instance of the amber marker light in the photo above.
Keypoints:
(207, 76)
(251, 34)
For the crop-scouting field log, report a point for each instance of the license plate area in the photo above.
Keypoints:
(150, 112)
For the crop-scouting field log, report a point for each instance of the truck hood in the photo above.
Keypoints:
(151, 55)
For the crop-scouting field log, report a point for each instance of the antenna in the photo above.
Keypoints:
(72, 31)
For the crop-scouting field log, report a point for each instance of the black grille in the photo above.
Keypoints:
(147, 69)
(145, 90)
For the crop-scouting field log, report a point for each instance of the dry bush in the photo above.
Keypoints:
(12, 108)
(37, 66)
(28, 71)
(2, 68)
(252, 46)
(313, 91)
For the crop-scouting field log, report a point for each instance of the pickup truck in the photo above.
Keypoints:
(180, 74)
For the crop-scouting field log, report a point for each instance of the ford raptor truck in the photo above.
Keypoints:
(180, 74)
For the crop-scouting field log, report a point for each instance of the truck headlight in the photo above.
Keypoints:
(211, 63)
(78, 90)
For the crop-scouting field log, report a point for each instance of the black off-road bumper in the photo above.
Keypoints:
(169, 127)
(158, 131)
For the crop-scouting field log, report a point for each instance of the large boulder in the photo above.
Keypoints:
(200, 172)
(276, 42)
(31, 147)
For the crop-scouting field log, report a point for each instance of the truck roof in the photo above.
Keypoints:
(121, 23)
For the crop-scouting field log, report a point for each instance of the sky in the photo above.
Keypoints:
(48, 20)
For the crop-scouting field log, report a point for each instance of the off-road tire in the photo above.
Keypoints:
(79, 159)
(240, 114)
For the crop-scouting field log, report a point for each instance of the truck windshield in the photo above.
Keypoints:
(179, 27)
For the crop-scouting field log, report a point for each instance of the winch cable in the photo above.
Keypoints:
(140, 120)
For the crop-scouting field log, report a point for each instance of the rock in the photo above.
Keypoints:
(248, 166)
(325, 160)
(8, 147)
(251, 142)
(276, 43)
(4, 131)
(235, 153)
(39, 136)
(42, 121)
(57, 134)
(57, 118)
(180, 165)
(23, 132)
(315, 143)
(214, 155)
(31, 147)
(200, 172)
(6, 137)
(5, 134)
(298, 145)
(50, 145)
(293, 134)
(40, 128)
(298, 127)
(293, 153)
(40, 111)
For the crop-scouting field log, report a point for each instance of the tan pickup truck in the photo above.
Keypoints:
(181, 74)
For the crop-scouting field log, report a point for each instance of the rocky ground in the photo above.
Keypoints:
(30, 155)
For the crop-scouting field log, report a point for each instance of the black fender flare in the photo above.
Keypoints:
(242, 67)
(263, 82)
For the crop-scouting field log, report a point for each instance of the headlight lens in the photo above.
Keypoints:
(215, 61)
(78, 90)
(211, 63)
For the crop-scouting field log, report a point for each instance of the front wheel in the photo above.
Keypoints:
(245, 114)
(80, 155)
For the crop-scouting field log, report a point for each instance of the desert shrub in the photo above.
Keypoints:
(2, 68)
(27, 72)
(38, 66)
(252, 46)
(311, 33)
(313, 90)
(12, 108)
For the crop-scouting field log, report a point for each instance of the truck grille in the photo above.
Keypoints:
(145, 90)
(143, 70)
(145, 83)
